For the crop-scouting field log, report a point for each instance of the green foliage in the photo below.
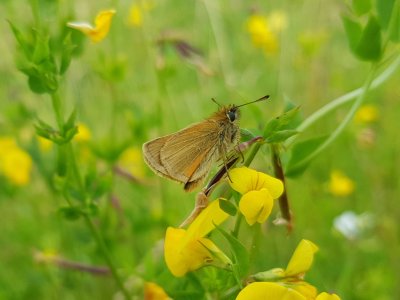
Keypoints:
(365, 42)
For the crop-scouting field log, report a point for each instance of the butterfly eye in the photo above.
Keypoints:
(231, 115)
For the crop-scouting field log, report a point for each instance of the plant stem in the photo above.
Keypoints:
(69, 153)
(238, 222)
(283, 199)
(379, 80)
(332, 137)
(58, 110)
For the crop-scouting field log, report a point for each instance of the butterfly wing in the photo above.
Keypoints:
(187, 155)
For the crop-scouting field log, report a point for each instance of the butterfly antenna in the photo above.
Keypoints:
(266, 97)
(215, 101)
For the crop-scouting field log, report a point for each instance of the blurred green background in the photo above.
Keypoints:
(155, 73)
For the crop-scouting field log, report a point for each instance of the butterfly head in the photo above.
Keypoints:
(232, 113)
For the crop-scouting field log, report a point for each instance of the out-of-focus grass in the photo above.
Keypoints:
(312, 66)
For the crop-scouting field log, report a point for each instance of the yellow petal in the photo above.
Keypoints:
(326, 296)
(101, 29)
(304, 288)
(268, 290)
(84, 134)
(205, 222)
(182, 256)
(245, 179)
(256, 206)
(302, 259)
(367, 114)
(153, 291)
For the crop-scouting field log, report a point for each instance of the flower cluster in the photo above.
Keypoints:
(287, 283)
(15, 163)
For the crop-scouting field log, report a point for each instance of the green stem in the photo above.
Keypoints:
(58, 111)
(57, 107)
(379, 80)
(100, 243)
(345, 122)
(238, 222)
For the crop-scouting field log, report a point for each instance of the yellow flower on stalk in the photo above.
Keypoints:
(287, 284)
(258, 193)
(188, 250)
(367, 114)
(15, 163)
(340, 185)
(102, 26)
(84, 134)
(153, 291)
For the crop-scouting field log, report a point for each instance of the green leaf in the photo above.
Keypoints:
(369, 46)
(353, 31)
(300, 152)
(361, 7)
(22, 41)
(365, 42)
(280, 122)
(241, 258)
(66, 54)
(70, 213)
(384, 10)
(227, 207)
(41, 51)
(281, 136)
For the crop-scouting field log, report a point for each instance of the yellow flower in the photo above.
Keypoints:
(188, 250)
(259, 191)
(302, 259)
(83, 134)
(101, 28)
(340, 185)
(268, 290)
(15, 163)
(367, 114)
(153, 291)
(287, 284)
(131, 161)
(326, 296)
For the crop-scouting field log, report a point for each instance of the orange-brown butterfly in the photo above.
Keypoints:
(186, 156)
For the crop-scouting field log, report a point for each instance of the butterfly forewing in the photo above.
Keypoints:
(188, 155)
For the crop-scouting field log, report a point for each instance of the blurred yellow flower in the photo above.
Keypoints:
(84, 134)
(137, 11)
(131, 161)
(153, 291)
(101, 28)
(188, 250)
(367, 114)
(261, 34)
(340, 185)
(258, 193)
(264, 31)
(15, 163)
